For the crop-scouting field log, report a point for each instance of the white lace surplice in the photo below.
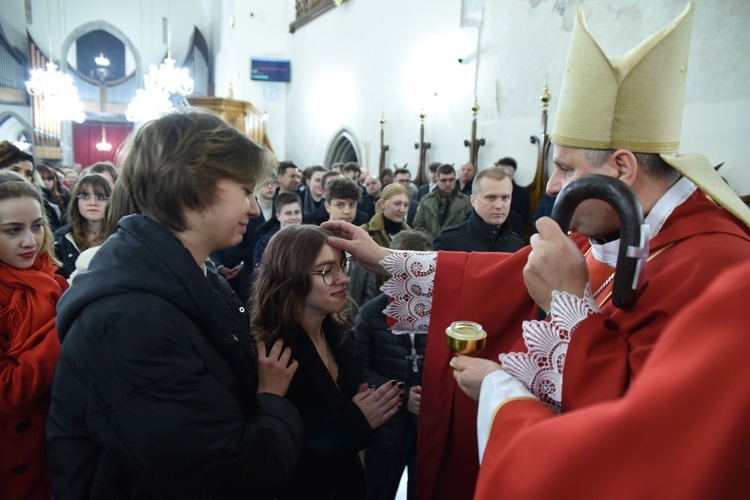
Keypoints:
(540, 369)
(410, 288)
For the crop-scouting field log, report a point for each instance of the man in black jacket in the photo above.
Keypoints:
(488, 228)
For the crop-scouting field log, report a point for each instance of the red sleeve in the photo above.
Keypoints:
(487, 288)
(679, 432)
(607, 351)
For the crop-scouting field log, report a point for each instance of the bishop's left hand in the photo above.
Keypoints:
(555, 263)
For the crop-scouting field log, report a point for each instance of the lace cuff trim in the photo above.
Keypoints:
(541, 368)
(410, 287)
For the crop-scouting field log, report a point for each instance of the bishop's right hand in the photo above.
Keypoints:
(357, 242)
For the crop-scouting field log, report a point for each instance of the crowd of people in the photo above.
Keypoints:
(180, 359)
(201, 321)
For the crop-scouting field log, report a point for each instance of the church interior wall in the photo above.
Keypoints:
(398, 58)
(365, 67)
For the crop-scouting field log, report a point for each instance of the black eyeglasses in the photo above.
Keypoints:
(330, 272)
(97, 197)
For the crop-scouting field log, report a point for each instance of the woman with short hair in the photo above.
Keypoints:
(160, 391)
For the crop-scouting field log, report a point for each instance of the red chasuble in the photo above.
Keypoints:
(606, 352)
(680, 431)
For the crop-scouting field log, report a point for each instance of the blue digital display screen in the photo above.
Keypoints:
(270, 70)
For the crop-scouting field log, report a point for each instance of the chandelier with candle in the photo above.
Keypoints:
(163, 88)
(104, 146)
(169, 78)
(57, 92)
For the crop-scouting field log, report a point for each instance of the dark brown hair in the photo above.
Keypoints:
(120, 205)
(54, 193)
(10, 155)
(102, 167)
(172, 164)
(284, 280)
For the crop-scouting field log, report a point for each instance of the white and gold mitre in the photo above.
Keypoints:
(635, 102)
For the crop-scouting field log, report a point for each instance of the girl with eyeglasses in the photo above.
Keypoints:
(29, 290)
(300, 297)
(86, 213)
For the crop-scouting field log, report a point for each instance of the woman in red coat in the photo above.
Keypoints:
(29, 290)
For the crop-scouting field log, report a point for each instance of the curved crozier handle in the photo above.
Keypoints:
(633, 252)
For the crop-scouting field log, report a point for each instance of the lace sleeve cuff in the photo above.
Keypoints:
(541, 368)
(410, 288)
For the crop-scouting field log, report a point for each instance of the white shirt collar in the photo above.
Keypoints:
(673, 198)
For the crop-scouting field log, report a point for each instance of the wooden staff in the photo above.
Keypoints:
(474, 144)
(422, 147)
(542, 141)
(383, 145)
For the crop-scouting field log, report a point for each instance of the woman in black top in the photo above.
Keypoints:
(300, 296)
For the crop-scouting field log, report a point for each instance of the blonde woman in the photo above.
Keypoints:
(389, 219)
(29, 290)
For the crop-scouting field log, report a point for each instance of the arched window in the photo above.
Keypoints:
(342, 148)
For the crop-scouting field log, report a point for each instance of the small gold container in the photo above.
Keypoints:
(465, 337)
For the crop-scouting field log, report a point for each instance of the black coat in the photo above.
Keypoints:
(335, 428)
(520, 203)
(422, 191)
(66, 251)
(155, 388)
(386, 357)
(475, 235)
(367, 205)
(52, 218)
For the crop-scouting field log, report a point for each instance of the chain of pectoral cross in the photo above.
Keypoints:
(413, 356)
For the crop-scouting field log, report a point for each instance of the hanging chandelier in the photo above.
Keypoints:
(163, 87)
(104, 145)
(57, 92)
(169, 78)
(148, 104)
(55, 89)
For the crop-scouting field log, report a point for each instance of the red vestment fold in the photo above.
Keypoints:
(680, 430)
(606, 352)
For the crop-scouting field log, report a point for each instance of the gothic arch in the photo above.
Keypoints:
(343, 148)
(13, 125)
(104, 26)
